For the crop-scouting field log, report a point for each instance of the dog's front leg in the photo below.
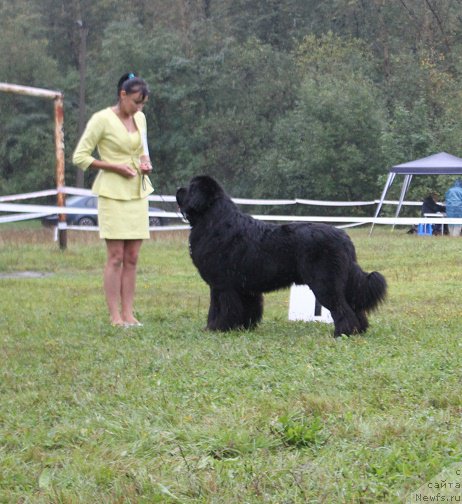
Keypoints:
(226, 311)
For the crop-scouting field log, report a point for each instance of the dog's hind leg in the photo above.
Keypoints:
(333, 298)
(345, 319)
(363, 322)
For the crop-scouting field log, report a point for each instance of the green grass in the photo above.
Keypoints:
(169, 413)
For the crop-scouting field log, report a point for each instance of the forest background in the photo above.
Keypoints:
(290, 98)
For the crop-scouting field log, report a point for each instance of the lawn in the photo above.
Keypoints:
(169, 413)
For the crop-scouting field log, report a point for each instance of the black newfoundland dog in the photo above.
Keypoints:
(240, 258)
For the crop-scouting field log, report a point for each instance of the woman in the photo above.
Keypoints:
(122, 185)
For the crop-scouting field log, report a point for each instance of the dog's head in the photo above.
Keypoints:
(200, 195)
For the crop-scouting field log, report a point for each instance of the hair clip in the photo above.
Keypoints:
(131, 75)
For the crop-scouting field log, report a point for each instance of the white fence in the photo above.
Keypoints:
(23, 211)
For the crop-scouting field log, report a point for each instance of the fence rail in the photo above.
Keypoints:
(24, 211)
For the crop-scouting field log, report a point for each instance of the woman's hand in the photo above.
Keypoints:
(122, 169)
(125, 170)
(145, 165)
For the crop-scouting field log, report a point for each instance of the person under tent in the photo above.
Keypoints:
(454, 206)
(430, 205)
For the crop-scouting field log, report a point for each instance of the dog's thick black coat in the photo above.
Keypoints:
(240, 258)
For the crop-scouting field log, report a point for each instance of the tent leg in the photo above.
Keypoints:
(406, 184)
(388, 183)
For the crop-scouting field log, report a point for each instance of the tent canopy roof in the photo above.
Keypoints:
(437, 164)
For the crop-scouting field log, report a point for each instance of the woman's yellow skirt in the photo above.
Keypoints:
(123, 219)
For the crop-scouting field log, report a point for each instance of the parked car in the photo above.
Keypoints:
(90, 219)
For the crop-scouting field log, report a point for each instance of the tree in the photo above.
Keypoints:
(329, 145)
(254, 85)
(229, 83)
(26, 130)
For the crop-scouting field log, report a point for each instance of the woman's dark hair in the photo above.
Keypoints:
(130, 83)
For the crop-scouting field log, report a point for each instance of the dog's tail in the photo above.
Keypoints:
(365, 291)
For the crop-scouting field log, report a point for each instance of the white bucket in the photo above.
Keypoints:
(303, 306)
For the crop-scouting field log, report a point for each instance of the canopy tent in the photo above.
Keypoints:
(437, 164)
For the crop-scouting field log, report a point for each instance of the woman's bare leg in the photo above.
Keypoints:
(113, 279)
(128, 285)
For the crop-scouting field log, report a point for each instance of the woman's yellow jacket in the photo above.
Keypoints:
(106, 133)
